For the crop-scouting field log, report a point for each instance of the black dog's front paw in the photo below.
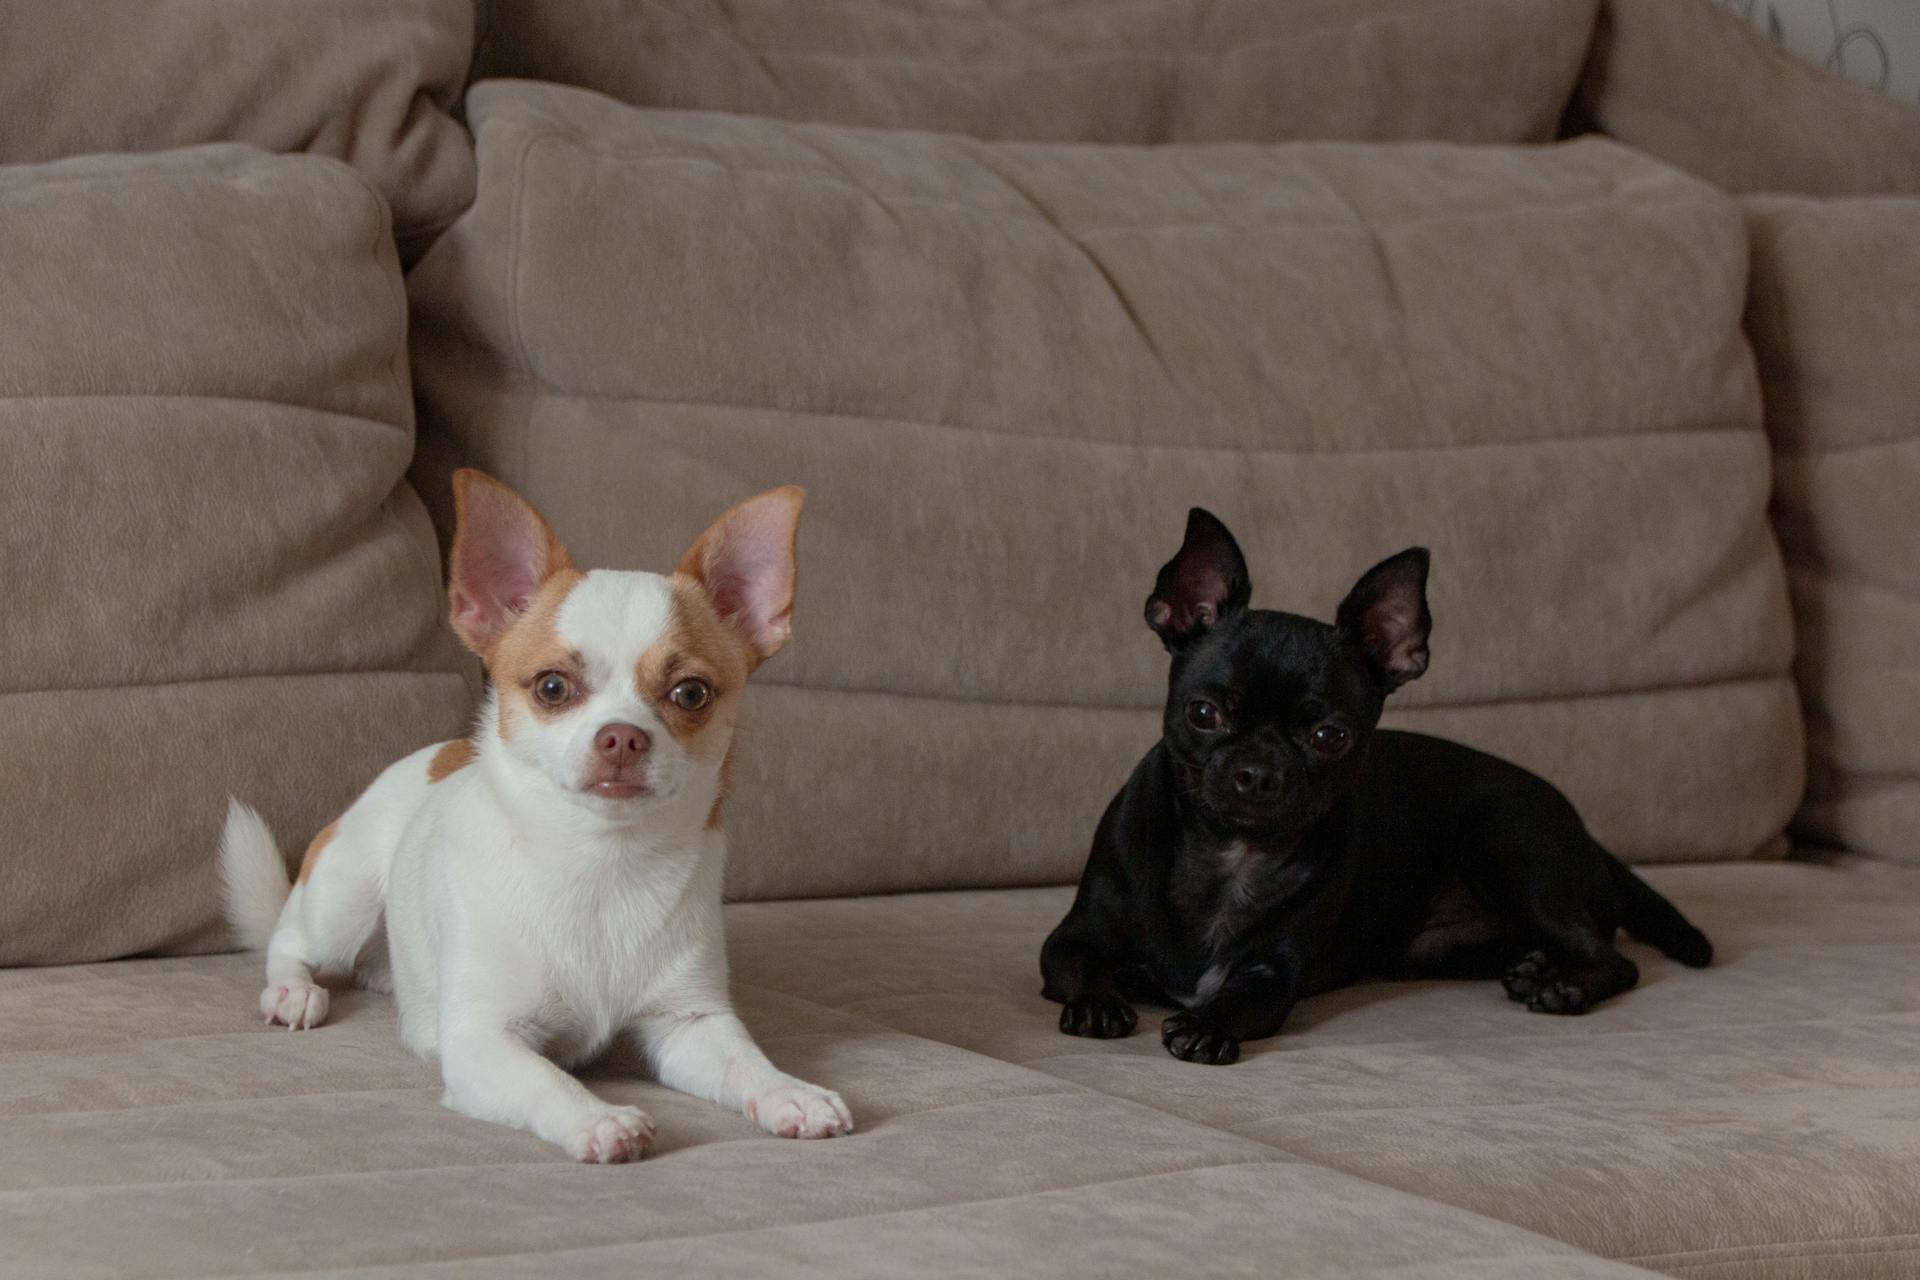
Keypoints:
(1099, 1017)
(1560, 996)
(1190, 1039)
(1539, 984)
(1524, 980)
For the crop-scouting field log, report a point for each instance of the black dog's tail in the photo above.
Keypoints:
(1658, 923)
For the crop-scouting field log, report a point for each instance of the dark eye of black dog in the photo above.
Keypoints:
(1203, 715)
(1330, 740)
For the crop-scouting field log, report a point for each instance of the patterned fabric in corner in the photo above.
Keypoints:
(1876, 42)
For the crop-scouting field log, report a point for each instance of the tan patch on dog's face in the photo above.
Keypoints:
(531, 647)
(450, 759)
(314, 849)
(695, 649)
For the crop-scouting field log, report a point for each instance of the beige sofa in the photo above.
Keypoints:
(1008, 290)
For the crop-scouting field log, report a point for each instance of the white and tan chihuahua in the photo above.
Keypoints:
(551, 885)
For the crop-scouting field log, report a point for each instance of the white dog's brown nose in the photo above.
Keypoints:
(622, 744)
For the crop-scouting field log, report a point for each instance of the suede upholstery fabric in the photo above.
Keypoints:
(371, 82)
(1834, 313)
(1689, 82)
(1004, 371)
(1126, 71)
(1752, 1121)
(218, 581)
(1755, 1119)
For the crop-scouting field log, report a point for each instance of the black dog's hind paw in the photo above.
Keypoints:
(1191, 1040)
(1099, 1017)
(1537, 983)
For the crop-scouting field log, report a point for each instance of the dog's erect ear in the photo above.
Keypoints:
(1204, 583)
(745, 562)
(1386, 616)
(502, 552)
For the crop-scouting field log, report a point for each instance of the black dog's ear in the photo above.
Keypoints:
(1204, 583)
(1386, 616)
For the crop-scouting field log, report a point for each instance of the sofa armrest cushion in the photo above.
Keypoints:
(1835, 319)
(216, 581)
(372, 82)
(1689, 82)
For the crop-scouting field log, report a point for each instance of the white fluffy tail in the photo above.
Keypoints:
(253, 879)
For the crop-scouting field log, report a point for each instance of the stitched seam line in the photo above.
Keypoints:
(344, 415)
(564, 132)
(1304, 33)
(1778, 1251)
(1687, 429)
(1782, 676)
(427, 673)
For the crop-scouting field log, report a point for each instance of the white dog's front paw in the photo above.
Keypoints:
(614, 1136)
(797, 1109)
(296, 1006)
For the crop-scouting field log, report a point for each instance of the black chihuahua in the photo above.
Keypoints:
(1274, 843)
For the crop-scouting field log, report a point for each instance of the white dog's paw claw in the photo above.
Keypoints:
(800, 1110)
(616, 1136)
(296, 1006)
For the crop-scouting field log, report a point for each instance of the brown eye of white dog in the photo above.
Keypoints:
(550, 886)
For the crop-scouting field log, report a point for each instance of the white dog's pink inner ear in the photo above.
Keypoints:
(502, 552)
(745, 562)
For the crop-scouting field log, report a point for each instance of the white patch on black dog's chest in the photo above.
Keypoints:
(1239, 887)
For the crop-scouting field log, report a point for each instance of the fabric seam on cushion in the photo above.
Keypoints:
(1791, 454)
(1297, 35)
(1469, 1108)
(1062, 1087)
(863, 1009)
(1726, 1255)
(1782, 676)
(1812, 573)
(150, 168)
(560, 1162)
(429, 672)
(1713, 426)
(463, 1259)
(1689, 194)
(1572, 1253)
(256, 401)
(1086, 254)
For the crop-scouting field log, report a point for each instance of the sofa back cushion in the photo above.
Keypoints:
(1079, 70)
(216, 581)
(371, 82)
(1835, 318)
(1689, 82)
(1005, 371)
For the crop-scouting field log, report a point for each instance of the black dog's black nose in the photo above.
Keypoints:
(1250, 780)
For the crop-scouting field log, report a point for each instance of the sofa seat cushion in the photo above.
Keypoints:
(216, 580)
(146, 1095)
(1130, 71)
(1004, 372)
(1756, 1118)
